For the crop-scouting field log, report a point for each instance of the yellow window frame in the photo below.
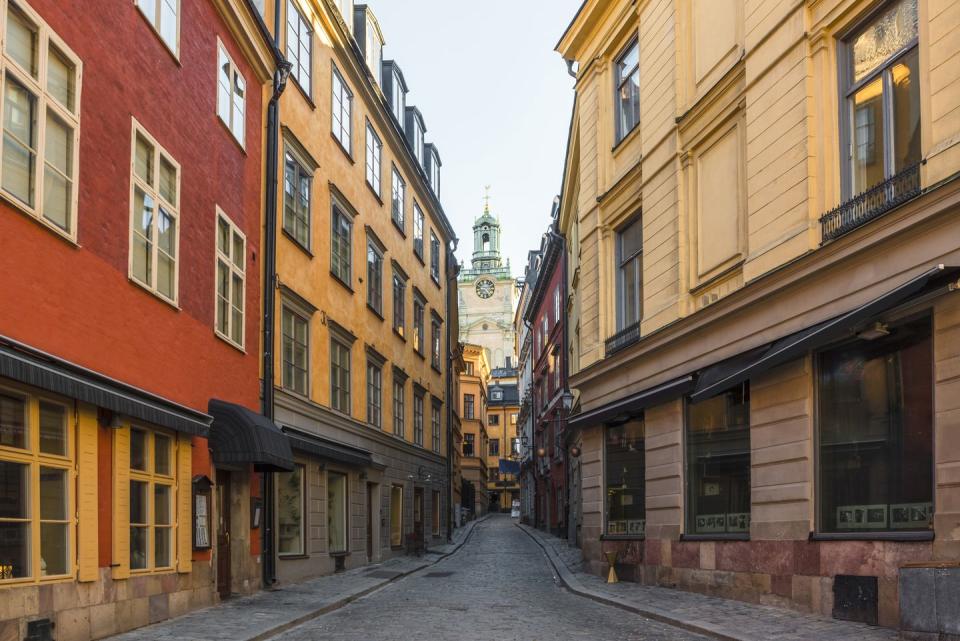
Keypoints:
(34, 459)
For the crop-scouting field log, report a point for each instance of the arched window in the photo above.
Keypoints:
(486, 242)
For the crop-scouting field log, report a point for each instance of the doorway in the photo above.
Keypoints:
(373, 521)
(223, 534)
(418, 513)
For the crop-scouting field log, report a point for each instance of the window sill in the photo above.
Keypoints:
(35, 216)
(339, 554)
(625, 139)
(293, 557)
(419, 256)
(398, 226)
(715, 537)
(240, 143)
(346, 152)
(436, 281)
(374, 311)
(399, 335)
(373, 191)
(420, 354)
(436, 369)
(154, 293)
(342, 282)
(303, 92)
(173, 54)
(906, 537)
(228, 341)
(300, 246)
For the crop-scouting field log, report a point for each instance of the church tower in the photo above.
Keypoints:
(488, 294)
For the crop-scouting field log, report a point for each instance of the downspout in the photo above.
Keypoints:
(269, 287)
(451, 278)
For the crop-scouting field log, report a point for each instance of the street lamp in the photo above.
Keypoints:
(567, 399)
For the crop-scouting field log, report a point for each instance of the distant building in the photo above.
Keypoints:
(487, 296)
(473, 424)
(503, 406)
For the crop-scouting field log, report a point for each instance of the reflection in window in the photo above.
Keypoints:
(396, 515)
(625, 458)
(718, 463)
(290, 502)
(336, 512)
(628, 90)
(875, 417)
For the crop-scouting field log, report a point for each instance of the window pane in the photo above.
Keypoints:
(630, 296)
(337, 512)
(143, 212)
(161, 454)
(53, 429)
(906, 111)
(54, 549)
(14, 491)
(891, 31)
(168, 181)
(58, 172)
(61, 75)
(19, 141)
(21, 41)
(223, 236)
(238, 254)
(138, 502)
(868, 140)
(162, 547)
(223, 293)
(168, 22)
(53, 494)
(290, 512)
(625, 465)
(718, 464)
(223, 85)
(876, 433)
(138, 450)
(143, 160)
(13, 423)
(239, 93)
(138, 548)
(161, 505)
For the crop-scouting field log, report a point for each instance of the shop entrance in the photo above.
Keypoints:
(223, 534)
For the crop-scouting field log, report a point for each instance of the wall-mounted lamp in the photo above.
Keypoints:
(575, 451)
(541, 452)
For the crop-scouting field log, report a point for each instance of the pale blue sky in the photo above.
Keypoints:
(496, 99)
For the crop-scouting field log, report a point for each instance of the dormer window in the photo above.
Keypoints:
(433, 167)
(367, 33)
(395, 88)
(415, 130)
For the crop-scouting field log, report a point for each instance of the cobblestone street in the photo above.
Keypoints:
(499, 586)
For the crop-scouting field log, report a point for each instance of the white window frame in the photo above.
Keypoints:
(398, 199)
(341, 110)
(174, 210)
(434, 257)
(155, 22)
(45, 103)
(418, 231)
(305, 83)
(234, 270)
(232, 115)
(374, 160)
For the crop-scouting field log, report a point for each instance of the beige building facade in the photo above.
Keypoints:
(761, 214)
(474, 469)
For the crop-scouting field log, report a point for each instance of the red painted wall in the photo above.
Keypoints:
(77, 302)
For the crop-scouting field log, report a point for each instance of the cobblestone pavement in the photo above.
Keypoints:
(722, 617)
(499, 586)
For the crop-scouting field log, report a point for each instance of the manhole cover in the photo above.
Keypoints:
(437, 575)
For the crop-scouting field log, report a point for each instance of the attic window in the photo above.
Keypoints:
(374, 52)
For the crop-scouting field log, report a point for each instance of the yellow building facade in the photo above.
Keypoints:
(363, 277)
(760, 207)
(503, 408)
(473, 423)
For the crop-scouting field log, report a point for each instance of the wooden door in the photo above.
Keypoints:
(223, 534)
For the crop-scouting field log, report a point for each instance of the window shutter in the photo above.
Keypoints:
(184, 507)
(87, 503)
(121, 503)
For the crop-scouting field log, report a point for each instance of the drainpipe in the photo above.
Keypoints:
(269, 287)
(451, 286)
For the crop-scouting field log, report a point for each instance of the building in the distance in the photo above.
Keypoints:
(488, 296)
(473, 425)
(503, 405)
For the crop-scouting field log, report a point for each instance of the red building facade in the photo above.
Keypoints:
(131, 200)
(546, 317)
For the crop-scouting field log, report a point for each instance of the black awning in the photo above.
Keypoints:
(240, 436)
(327, 449)
(723, 376)
(45, 371)
(631, 406)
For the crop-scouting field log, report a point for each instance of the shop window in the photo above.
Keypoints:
(875, 418)
(151, 500)
(718, 464)
(336, 512)
(625, 459)
(396, 516)
(34, 458)
(290, 512)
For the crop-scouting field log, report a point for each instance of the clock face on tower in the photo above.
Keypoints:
(485, 288)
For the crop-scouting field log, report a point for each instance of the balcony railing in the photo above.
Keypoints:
(871, 203)
(622, 339)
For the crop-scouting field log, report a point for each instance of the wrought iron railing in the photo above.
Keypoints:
(871, 203)
(624, 338)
